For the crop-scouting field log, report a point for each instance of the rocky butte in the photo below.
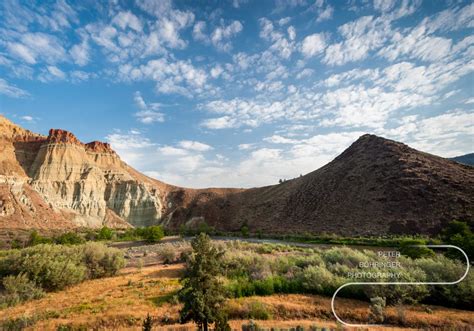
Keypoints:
(377, 186)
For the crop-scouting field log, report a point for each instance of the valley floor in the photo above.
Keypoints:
(123, 301)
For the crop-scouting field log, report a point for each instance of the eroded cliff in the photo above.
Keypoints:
(86, 184)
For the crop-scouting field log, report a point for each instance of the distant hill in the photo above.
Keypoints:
(375, 187)
(464, 159)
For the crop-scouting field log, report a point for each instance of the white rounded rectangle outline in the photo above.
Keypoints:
(399, 283)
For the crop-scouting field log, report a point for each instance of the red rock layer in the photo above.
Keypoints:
(99, 147)
(62, 136)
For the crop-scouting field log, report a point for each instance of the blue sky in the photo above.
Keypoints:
(240, 93)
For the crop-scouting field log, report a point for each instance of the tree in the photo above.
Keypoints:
(203, 294)
(459, 234)
(36, 239)
(377, 308)
(154, 234)
(105, 233)
(244, 230)
(147, 323)
(414, 248)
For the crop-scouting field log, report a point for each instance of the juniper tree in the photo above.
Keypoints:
(203, 294)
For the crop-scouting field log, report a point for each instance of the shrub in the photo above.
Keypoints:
(69, 238)
(153, 234)
(377, 308)
(167, 252)
(101, 261)
(459, 234)
(344, 256)
(408, 247)
(317, 279)
(259, 311)
(105, 234)
(19, 289)
(20, 323)
(36, 239)
(147, 323)
(52, 267)
(252, 326)
(244, 230)
(240, 309)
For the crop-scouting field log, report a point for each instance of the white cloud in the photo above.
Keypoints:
(194, 146)
(469, 101)
(80, 53)
(224, 122)
(216, 71)
(11, 90)
(27, 118)
(38, 46)
(132, 147)
(23, 52)
(451, 19)
(80, 76)
(359, 38)
(221, 35)
(244, 147)
(199, 31)
(450, 134)
(277, 139)
(51, 73)
(56, 72)
(417, 44)
(306, 72)
(148, 113)
(384, 5)
(126, 19)
(313, 45)
(291, 32)
(172, 151)
(179, 77)
(284, 21)
(325, 14)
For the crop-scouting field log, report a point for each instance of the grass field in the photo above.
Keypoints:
(147, 286)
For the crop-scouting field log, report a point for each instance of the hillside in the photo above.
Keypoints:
(465, 159)
(377, 186)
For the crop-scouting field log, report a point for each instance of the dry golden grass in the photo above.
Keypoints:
(121, 303)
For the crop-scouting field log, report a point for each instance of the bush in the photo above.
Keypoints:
(168, 253)
(36, 239)
(147, 323)
(317, 279)
(377, 308)
(259, 311)
(105, 234)
(249, 309)
(52, 267)
(101, 261)
(69, 238)
(153, 234)
(408, 248)
(19, 289)
(244, 230)
(459, 234)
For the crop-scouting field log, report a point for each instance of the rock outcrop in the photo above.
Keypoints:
(87, 181)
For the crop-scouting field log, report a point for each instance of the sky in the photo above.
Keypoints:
(240, 93)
